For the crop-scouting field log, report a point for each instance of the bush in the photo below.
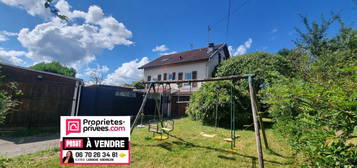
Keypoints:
(214, 96)
(265, 65)
(317, 110)
(316, 117)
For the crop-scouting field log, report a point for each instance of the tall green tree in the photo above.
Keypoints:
(55, 67)
(316, 110)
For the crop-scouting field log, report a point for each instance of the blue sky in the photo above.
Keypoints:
(114, 37)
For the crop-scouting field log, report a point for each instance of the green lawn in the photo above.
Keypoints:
(185, 148)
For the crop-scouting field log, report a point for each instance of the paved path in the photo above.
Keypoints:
(11, 147)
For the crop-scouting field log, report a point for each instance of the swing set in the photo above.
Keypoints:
(165, 127)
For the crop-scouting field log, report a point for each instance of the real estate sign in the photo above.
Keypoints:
(95, 140)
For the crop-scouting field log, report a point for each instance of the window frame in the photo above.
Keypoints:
(159, 77)
(165, 76)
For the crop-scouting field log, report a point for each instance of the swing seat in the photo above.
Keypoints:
(156, 128)
(168, 126)
(230, 139)
(141, 126)
(207, 135)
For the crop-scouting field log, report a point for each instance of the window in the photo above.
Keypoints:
(159, 77)
(165, 76)
(180, 75)
(149, 78)
(173, 75)
(194, 76)
(187, 77)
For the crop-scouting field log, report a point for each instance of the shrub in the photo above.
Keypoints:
(214, 96)
(317, 118)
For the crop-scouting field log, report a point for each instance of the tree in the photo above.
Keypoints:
(138, 84)
(314, 40)
(96, 74)
(211, 95)
(317, 112)
(54, 10)
(263, 64)
(55, 67)
(8, 90)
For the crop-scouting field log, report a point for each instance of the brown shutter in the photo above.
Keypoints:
(180, 75)
(194, 76)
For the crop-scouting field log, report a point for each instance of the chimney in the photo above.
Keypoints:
(210, 47)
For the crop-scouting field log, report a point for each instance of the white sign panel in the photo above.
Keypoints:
(95, 140)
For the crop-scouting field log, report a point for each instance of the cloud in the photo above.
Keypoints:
(160, 48)
(274, 30)
(32, 7)
(127, 72)
(5, 34)
(12, 56)
(242, 49)
(74, 44)
(168, 53)
(230, 49)
(97, 69)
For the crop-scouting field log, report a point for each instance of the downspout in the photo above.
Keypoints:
(74, 101)
(79, 98)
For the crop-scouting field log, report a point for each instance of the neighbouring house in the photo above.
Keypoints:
(193, 64)
(46, 96)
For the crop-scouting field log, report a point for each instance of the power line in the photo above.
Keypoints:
(232, 13)
(225, 17)
(228, 19)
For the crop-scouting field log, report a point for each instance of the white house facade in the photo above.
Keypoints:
(193, 64)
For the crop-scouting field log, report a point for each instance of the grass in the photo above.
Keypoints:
(185, 148)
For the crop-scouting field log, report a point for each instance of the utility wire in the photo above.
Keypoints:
(231, 13)
(228, 18)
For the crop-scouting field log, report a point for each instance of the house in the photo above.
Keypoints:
(193, 64)
(46, 96)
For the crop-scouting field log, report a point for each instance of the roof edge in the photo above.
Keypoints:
(38, 71)
(220, 46)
